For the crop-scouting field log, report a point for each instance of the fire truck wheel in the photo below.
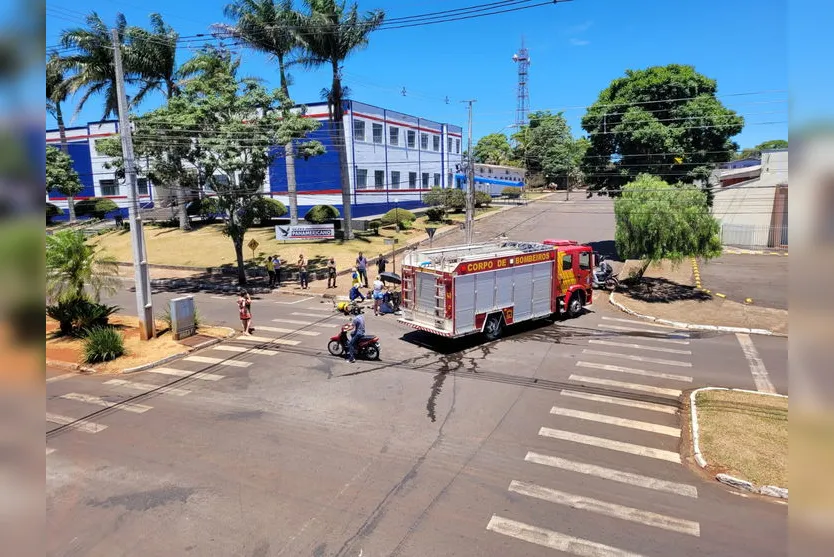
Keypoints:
(575, 304)
(494, 326)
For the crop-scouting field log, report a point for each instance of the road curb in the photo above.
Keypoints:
(692, 326)
(768, 490)
(70, 366)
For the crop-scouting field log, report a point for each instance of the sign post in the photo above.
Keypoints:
(253, 245)
(391, 242)
(430, 230)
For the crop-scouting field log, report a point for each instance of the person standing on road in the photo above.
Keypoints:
(380, 264)
(331, 273)
(302, 271)
(270, 270)
(358, 331)
(276, 263)
(244, 305)
(379, 292)
(362, 268)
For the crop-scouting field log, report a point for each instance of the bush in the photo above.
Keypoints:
(321, 214)
(374, 226)
(482, 199)
(264, 209)
(102, 344)
(455, 200)
(52, 211)
(207, 209)
(511, 192)
(65, 313)
(435, 198)
(79, 314)
(398, 216)
(436, 214)
(97, 207)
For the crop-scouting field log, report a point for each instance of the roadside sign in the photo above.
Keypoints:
(430, 231)
(305, 232)
(390, 241)
(253, 244)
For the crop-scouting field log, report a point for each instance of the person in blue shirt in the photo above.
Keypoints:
(358, 331)
(356, 293)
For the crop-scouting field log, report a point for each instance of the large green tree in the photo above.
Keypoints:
(62, 177)
(656, 220)
(329, 33)
(663, 120)
(547, 149)
(493, 149)
(756, 152)
(57, 92)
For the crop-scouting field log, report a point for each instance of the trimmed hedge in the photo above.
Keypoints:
(320, 214)
(403, 217)
(482, 199)
(97, 207)
(511, 192)
(436, 214)
(265, 209)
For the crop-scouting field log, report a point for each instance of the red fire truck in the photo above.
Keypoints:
(461, 290)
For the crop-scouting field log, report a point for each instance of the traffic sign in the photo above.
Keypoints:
(253, 244)
(430, 231)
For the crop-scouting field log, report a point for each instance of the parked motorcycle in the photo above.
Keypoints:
(604, 276)
(367, 347)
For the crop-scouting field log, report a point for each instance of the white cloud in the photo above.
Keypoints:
(580, 28)
(579, 42)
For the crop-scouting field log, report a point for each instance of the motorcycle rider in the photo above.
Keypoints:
(603, 270)
(357, 332)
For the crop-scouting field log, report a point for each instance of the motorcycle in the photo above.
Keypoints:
(367, 347)
(604, 277)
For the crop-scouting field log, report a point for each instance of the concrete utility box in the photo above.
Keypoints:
(182, 317)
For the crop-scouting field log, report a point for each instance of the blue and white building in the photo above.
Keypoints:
(393, 159)
(492, 178)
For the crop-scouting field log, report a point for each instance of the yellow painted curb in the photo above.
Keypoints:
(748, 300)
(720, 295)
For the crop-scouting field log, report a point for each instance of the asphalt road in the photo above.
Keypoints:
(763, 278)
(558, 439)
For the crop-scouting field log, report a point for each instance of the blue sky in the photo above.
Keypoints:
(576, 49)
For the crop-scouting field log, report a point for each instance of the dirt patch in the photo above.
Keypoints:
(668, 292)
(744, 435)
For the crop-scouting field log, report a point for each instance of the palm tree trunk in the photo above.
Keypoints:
(292, 187)
(337, 116)
(62, 133)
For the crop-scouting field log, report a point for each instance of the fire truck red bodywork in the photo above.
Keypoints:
(461, 290)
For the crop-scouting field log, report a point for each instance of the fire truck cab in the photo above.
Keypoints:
(462, 290)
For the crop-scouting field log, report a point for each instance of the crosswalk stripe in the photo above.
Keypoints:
(183, 373)
(60, 377)
(318, 315)
(613, 420)
(610, 444)
(633, 322)
(670, 338)
(98, 401)
(221, 361)
(613, 475)
(239, 349)
(146, 387)
(624, 385)
(287, 331)
(622, 402)
(325, 309)
(81, 425)
(641, 347)
(637, 358)
(264, 340)
(634, 371)
(554, 540)
(305, 323)
(295, 302)
(604, 508)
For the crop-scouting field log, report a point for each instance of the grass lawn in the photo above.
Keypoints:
(206, 246)
(745, 435)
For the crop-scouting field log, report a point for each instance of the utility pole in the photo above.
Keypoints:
(470, 183)
(144, 306)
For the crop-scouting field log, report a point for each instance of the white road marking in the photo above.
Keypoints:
(147, 387)
(633, 322)
(607, 330)
(610, 444)
(239, 349)
(49, 451)
(613, 475)
(554, 540)
(222, 297)
(286, 331)
(80, 425)
(624, 385)
(295, 302)
(98, 401)
(641, 347)
(318, 315)
(220, 361)
(757, 367)
(637, 358)
(613, 420)
(634, 371)
(60, 377)
(326, 308)
(305, 323)
(637, 330)
(182, 373)
(264, 340)
(608, 509)
(622, 402)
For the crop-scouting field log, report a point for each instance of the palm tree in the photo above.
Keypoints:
(153, 55)
(329, 33)
(93, 65)
(73, 265)
(266, 25)
(57, 93)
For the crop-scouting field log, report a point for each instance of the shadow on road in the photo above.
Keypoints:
(655, 290)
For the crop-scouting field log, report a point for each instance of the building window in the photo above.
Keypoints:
(425, 180)
(457, 146)
(435, 143)
(142, 186)
(411, 137)
(108, 187)
(395, 180)
(437, 180)
(393, 136)
(489, 171)
(507, 172)
(424, 141)
(379, 179)
(359, 130)
(377, 131)
(449, 144)
(412, 180)
(361, 178)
